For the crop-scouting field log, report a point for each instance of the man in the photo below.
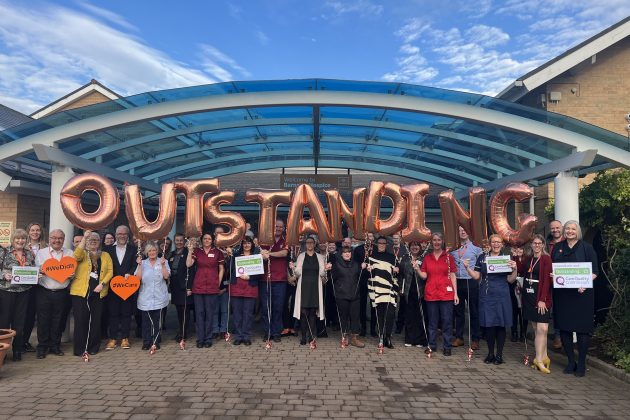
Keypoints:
(383, 289)
(67, 306)
(123, 256)
(276, 266)
(219, 329)
(76, 240)
(467, 290)
(555, 236)
(51, 296)
(361, 254)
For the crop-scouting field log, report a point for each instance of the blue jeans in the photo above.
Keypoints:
(278, 290)
(205, 307)
(440, 310)
(151, 326)
(243, 313)
(221, 314)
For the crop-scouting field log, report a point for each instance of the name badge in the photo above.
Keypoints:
(210, 255)
(93, 275)
(449, 288)
(529, 290)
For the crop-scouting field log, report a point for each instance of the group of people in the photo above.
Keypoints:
(423, 288)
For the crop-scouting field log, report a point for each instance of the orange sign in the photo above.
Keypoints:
(59, 270)
(125, 287)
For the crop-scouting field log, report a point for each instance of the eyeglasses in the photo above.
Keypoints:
(496, 243)
(536, 243)
(57, 238)
(381, 243)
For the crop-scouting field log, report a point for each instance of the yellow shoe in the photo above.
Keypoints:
(111, 345)
(124, 344)
(540, 366)
(547, 362)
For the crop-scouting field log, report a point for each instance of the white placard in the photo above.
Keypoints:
(249, 264)
(573, 275)
(24, 275)
(498, 264)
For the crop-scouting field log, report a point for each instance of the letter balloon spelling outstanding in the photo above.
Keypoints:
(473, 222)
(194, 191)
(416, 229)
(498, 214)
(213, 213)
(304, 196)
(269, 200)
(338, 210)
(393, 223)
(140, 227)
(108, 207)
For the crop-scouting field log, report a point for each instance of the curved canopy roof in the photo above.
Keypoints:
(447, 138)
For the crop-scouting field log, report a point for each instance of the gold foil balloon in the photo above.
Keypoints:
(498, 214)
(416, 229)
(304, 196)
(140, 227)
(454, 215)
(213, 213)
(195, 191)
(395, 221)
(108, 207)
(269, 200)
(338, 210)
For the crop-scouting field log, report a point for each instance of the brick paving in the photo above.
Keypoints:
(292, 381)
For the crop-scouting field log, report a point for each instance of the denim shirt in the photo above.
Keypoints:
(467, 250)
(153, 293)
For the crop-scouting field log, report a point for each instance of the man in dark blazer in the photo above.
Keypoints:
(123, 255)
(181, 285)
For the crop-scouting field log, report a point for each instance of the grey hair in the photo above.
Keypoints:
(577, 225)
(149, 246)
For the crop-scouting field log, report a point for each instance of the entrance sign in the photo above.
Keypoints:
(573, 275)
(5, 233)
(249, 264)
(498, 264)
(316, 181)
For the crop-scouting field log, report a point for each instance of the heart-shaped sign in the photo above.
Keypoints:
(59, 270)
(125, 287)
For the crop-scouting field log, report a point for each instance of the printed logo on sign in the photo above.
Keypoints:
(491, 267)
(560, 280)
(241, 270)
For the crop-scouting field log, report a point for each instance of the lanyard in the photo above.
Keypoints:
(50, 252)
(531, 266)
(462, 251)
(22, 261)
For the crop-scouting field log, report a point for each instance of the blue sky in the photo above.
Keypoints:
(48, 49)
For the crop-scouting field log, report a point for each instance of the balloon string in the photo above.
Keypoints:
(332, 281)
(269, 298)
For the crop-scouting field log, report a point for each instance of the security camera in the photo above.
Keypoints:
(628, 117)
(627, 127)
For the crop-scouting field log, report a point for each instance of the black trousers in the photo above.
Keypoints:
(364, 304)
(402, 313)
(120, 312)
(308, 323)
(386, 314)
(49, 310)
(12, 313)
(330, 304)
(349, 314)
(31, 311)
(67, 306)
(289, 300)
(415, 333)
(87, 319)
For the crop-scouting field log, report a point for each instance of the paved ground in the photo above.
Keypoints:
(291, 381)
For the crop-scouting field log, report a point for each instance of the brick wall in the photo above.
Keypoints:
(33, 209)
(8, 207)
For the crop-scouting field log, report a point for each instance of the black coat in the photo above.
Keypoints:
(178, 283)
(345, 278)
(128, 265)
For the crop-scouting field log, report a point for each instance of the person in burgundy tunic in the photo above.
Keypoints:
(243, 293)
(537, 298)
(205, 288)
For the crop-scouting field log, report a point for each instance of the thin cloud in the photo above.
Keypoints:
(262, 38)
(40, 63)
(364, 8)
(108, 15)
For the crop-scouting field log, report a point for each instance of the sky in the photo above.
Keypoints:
(48, 49)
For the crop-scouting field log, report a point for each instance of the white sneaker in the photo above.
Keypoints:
(419, 346)
(407, 345)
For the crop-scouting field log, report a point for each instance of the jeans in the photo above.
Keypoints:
(151, 331)
(278, 291)
(243, 313)
(440, 310)
(460, 310)
(220, 324)
(205, 307)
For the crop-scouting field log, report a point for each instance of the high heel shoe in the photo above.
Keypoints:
(537, 364)
(547, 362)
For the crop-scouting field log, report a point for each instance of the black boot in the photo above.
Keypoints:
(387, 342)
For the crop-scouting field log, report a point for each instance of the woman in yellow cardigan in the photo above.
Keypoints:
(89, 287)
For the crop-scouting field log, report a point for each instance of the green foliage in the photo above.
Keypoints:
(605, 204)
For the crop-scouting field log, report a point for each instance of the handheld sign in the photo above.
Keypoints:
(24, 275)
(573, 275)
(59, 270)
(498, 264)
(249, 264)
(124, 288)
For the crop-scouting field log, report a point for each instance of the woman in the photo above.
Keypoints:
(345, 286)
(495, 307)
(34, 242)
(153, 295)
(87, 290)
(574, 308)
(440, 292)
(14, 297)
(309, 296)
(536, 298)
(413, 291)
(180, 285)
(209, 264)
(243, 292)
(516, 296)
(108, 239)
